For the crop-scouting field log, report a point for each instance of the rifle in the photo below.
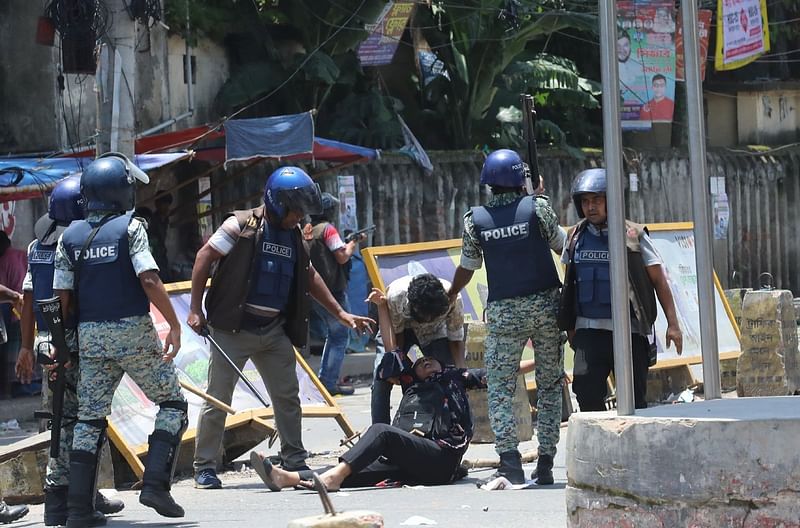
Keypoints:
(528, 130)
(50, 310)
(356, 234)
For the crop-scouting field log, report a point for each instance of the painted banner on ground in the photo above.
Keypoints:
(742, 33)
(676, 247)
(388, 263)
(379, 48)
(133, 414)
(703, 30)
(646, 60)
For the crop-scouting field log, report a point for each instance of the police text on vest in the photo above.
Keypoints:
(98, 252)
(498, 233)
(277, 249)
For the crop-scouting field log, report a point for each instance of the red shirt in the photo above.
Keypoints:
(657, 110)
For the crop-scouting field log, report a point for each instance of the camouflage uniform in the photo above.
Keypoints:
(109, 349)
(510, 323)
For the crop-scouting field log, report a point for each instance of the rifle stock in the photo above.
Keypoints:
(51, 313)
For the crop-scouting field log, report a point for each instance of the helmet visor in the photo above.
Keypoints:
(305, 200)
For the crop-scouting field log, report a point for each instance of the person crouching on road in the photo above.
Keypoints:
(586, 312)
(258, 308)
(104, 269)
(422, 314)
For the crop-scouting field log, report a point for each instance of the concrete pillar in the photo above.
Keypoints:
(719, 463)
(770, 361)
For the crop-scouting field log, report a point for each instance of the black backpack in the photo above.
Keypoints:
(421, 411)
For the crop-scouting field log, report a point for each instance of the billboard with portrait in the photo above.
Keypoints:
(646, 61)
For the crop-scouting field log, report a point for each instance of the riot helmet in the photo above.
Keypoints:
(109, 183)
(66, 201)
(588, 181)
(329, 204)
(504, 168)
(291, 189)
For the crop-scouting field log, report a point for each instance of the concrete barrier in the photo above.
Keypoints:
(729, 462)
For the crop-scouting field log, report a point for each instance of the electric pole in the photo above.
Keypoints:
(116, 82)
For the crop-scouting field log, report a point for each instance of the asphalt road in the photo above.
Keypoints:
(244, 501)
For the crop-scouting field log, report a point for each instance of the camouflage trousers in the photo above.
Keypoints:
(510, 323)
(108, 350)
(58, 468)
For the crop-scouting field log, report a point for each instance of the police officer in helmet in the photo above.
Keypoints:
(514, 234)
(105, 270)
(66, 205)
(586, 312)
(258, 307)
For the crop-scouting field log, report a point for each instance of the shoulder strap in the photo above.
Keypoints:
(573, 240)
(526, 210)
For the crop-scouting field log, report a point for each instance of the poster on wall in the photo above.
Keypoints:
(379, 48)
(742, 33)
(646, 61)
(703, 30)
(348, 219)
(7, 218)
(204, 223)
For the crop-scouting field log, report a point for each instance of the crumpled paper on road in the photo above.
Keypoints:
(502, 483)
(418, 520)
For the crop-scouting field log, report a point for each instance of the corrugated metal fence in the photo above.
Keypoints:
(763, 191)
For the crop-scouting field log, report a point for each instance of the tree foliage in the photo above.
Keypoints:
(477, 40)
(296, 56)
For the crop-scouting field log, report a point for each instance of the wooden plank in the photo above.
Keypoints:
(32, 443)
(127, 452)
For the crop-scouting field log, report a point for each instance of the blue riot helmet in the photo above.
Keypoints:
(109, 183)
(291, 189)
(588, 181)
(503, 168)
(66, 201)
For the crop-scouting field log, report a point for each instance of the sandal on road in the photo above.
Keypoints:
(264, 469)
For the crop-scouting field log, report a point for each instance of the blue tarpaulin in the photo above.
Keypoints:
(22, 178)
(269, 137)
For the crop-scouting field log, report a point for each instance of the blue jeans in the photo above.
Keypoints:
(336, 339)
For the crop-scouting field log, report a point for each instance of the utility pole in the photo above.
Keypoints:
(701, 209)
(617, 253)
(116, 81)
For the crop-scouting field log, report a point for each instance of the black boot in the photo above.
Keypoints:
(11, 513)
(510, 468)
(55, 505)
(107, 506)
(543, 475)
(161, 455)
(81, 493)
